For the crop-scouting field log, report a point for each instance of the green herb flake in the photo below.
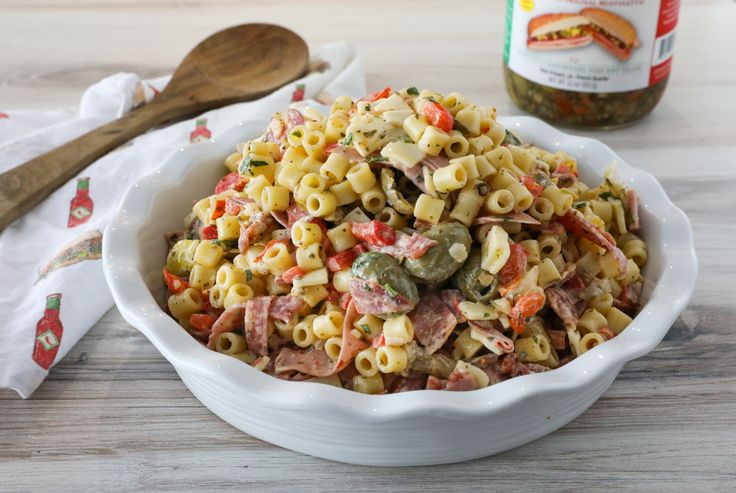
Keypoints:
(367, 287)
(390, 290)
(248, 275)
(296, 133)
(365, 328)
(605, 195)
(348, 139)
(258, 163)
(579, 205)
(412, 91)
(370, 133)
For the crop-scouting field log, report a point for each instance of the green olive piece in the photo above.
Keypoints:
(181, 257)
(475, 283)
(437, 265)
(386, 271)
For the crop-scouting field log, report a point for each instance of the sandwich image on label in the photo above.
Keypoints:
(558, 32)
(612, 32)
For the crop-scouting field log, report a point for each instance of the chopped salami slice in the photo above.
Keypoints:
(316, 362)
(286, 308)
(516, 217)
(434, 383)
(510, 365)
(575, 223)
(251, 232)
(563, 304)
(349, 152)
(293, 118)
(452, 298)
(415, 174)
(557, 338)
(433, 322)
(372, 298)
(230, 320)
(461, 380)
(406, 384)
(281, 217)
(406, 246)
(435, 162)
(294, 213)
(633, 202)
(499, 343)
(256, 324)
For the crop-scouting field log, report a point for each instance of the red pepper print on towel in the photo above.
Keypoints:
(298, 94)
(3, 115)
(88, 246)
(81, 206)
(48, 333)
(200, 133)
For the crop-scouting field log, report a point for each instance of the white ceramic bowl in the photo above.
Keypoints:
(412, 428)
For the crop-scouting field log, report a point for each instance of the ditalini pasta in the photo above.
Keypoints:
(405, 241)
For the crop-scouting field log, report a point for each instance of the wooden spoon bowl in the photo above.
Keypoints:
(240, 63)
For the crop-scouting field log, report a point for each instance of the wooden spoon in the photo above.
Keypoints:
(237, 64)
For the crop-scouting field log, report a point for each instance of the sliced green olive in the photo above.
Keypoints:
(475, 283)
(181, 257)
(386, 271)
(443, 260)
(393, 196)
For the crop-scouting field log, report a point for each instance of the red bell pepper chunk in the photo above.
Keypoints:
(358, 249)
(526, 306)
(175, 284)
(292, 273)
(384, 93)
(202, 321)
(374, 232)
(209, 232)
(265, 249)
(341, 261)
(230, 180)
(438, 115)
(379, 341)
(534, 188)
(219, 209)
(514, 268)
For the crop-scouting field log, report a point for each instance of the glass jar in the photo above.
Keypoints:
(575, 63)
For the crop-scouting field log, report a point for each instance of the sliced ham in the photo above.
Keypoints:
(281, 217)
(633, 202)
(406, 246)
(434, 162)
(415, 174)
(452, 298)
(294, 213)
(372, 298)
(575, 223)
(250, 232)
(229, 321)
(433, 322)
(286, 308)
(256, 324)
(460, 380)
(563, 304)
(491, 336)
(346, 151)
(293, 118)
(516, 217)
(315, 362)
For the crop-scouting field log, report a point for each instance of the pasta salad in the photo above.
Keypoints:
(405, 241)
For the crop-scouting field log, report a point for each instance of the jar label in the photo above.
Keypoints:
(591, 45)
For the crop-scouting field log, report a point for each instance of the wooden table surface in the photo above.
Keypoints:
(114, 416)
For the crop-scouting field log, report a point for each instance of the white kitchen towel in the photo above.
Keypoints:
(53, 289)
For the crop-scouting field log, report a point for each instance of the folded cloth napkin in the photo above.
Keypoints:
(53, 289)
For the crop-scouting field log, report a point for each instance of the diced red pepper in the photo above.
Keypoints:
(534, 188)
(292, 273)
(341, 261)
(438, 115)
(375, 96)
(358, 249)
(345, 301)
(374, 232)
(526, 306)
(563, 169)
(202, 321)
(209, 232)
(514, 268)
(231, 181)
(379, 341)
(268, 245)
(219, 209)
(175, 284)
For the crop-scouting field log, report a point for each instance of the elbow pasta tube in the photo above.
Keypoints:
(227, 275)
(548, 273)
(503, 180)
(341, 237)
(233, 161)
(230, 343)
(398, 331)
(328, 325)
(469, 202)
(532, 251)
(373, 200)
(335, 168)
(636, 250)
(217, 296)
(428, 208)
(341, 279)
(617, 320)
(321, 204)
(497, 133)
(237, 294)
(533, 349)
(368, 385)
(469, 118)
(314, 144)
(182, 305)
(391, 359)
(275, 198)
(361, 178)
(549, 246)
(591, 321)
(561, 201)
(202, 277)
(313, 278)
(522, 197)
(310, 184)
(304, 233)
(591, 340)
(302, 333)
(389, 216)
(484, 167)
(369, 325)
(310, 257)
(277, 259)
(602, 303)
(344, 193)
(542, 209)
(457, 145)
(451, 177)
(433, 140)
(333, 345)
(496, 250)
(500, 202)
(500, 158)
(365, 362)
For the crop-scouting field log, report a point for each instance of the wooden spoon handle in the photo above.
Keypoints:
(23, 187)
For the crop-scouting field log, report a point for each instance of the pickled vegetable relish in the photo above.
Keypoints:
(405, 241)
